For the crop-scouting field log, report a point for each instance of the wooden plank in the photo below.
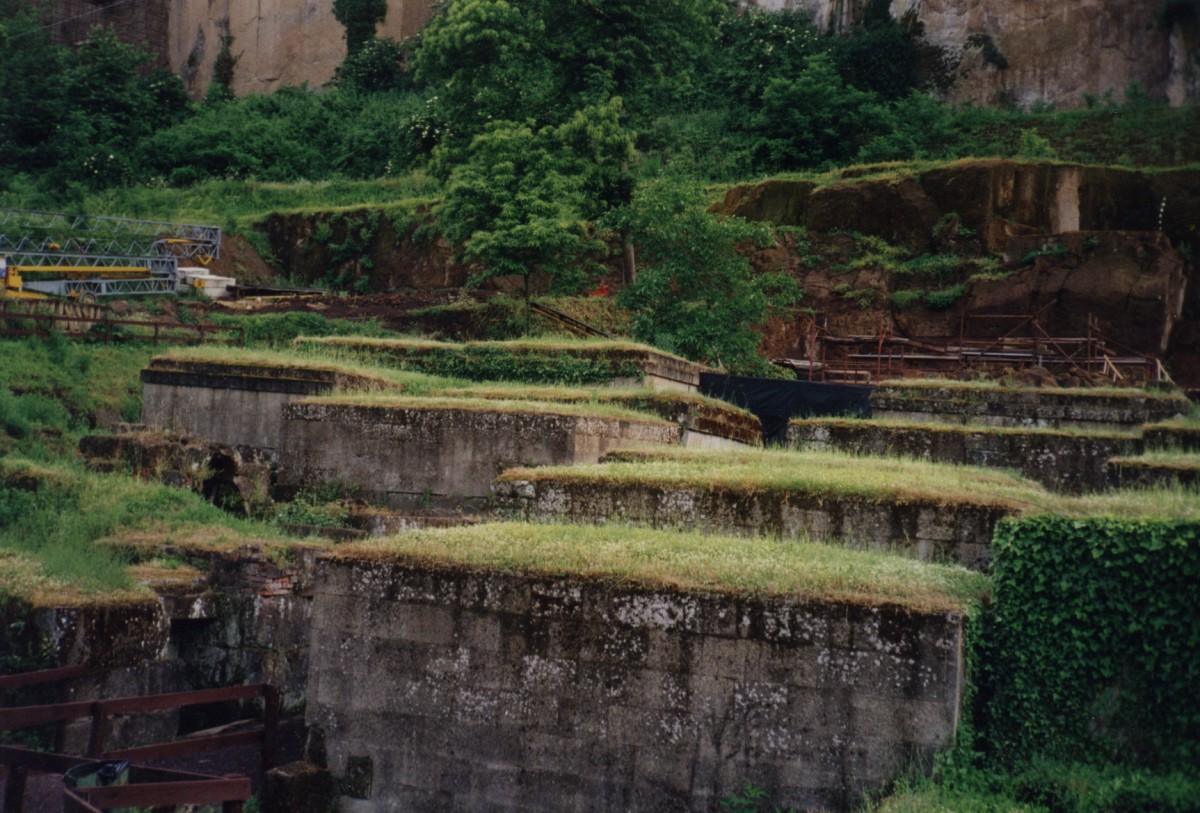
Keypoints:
(157, 702)
(38, 761)
(25, 716)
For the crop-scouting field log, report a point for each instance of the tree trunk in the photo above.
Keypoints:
(628, 258)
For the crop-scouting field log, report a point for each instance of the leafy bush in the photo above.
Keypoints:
(278, 330)
(903, 300)
(533, 366)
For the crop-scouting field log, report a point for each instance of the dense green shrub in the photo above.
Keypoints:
(1093, 646)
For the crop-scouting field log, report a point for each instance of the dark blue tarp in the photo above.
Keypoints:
(776, 401)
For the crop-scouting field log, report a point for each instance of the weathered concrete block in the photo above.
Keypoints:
(297, 787)
(412, 454)
(1044, 408)
(601, 696)
(1132, 472)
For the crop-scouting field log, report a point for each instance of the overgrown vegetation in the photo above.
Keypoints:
(1069, 671)
(878, 478)
(54, 390)
(527, 125)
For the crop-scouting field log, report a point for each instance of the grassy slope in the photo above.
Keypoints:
(52, 515)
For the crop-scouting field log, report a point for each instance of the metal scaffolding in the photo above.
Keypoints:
(95, 256)
(1020, 343)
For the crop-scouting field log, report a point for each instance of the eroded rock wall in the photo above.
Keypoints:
(1024, 52)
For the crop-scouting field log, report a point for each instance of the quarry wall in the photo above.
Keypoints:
(1036, 52)
(443, 689)
(1023, 52)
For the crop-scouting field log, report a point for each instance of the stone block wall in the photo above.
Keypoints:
(959, 533)
(249, 623)
(413, 455)
(441, 689)
(1072, 463)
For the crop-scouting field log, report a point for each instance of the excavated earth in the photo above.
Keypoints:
(1075, 244)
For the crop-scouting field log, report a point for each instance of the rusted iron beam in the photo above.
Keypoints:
(41, 676)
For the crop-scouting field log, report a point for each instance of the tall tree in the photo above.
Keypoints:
(514, 207)
(695, 294)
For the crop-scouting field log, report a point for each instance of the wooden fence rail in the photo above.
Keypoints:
(20, 761)
(21, 320)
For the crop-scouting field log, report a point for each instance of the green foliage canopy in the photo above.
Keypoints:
(695, 294)
(513, 206)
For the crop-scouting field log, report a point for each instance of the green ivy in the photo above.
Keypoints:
(1093, 643)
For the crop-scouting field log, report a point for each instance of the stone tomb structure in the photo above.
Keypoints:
(238, 404)
(441, 687)
(426, 452)
(704, 423)
(927, 528)
(619, 364)
(1070, 462)
(1029, 407)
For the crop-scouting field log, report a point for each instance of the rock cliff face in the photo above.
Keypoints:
(1035, 52)
(1024, 52)
(275, 42)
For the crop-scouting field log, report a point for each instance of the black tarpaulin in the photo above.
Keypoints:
(776, 401)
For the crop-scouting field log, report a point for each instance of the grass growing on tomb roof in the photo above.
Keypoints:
(313, 357)
(967, 428)
(833, 473)
(1167, 458)
(534, 343)
(876, 478)
(517, 390)
(55, 516)
(570, 409)
(26, 577)
(688, 561)
(996, 386)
